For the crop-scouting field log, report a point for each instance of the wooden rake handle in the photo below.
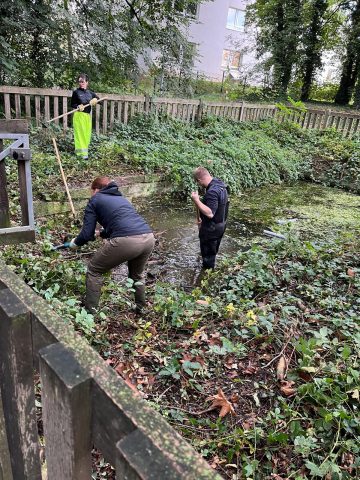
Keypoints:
(75, 110)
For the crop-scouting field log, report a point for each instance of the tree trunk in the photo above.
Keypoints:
(352, 59)
(312, 51)
(347, 80)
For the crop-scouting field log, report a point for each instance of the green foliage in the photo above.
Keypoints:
(302, 295)
(58, 40)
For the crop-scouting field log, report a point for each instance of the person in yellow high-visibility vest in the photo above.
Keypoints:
(82, 120)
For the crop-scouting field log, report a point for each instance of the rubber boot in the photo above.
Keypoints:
(140, 298)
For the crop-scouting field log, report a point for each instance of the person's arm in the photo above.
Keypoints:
(75, 100)
(87, 233)
(204, 209)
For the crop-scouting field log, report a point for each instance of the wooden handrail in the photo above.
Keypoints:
(85, 402)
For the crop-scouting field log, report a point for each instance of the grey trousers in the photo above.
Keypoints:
(135, 250)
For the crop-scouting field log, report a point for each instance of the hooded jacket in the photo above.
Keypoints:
(114, 213)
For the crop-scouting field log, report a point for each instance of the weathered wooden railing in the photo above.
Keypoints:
(37, 104)
(84, 403)
(345, 122)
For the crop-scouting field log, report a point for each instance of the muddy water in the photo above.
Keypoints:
(311, 211)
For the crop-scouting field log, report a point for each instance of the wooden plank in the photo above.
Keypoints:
(147, 104)
(97, 118)
(65, 109)
(126, 108)
(4, 198)
(7, 106)
(23, 193)
(66, 414)
(27, 107)
(337, 122)
(132, 109)
(35, 91)
(104, 117)
(349, 127)
(242, 111)
(356, 126)
(14, 126)
(119, 111)
(116, 411)
(15, 235)
(140, 107)
(5, 461)
(17, 386)
(189, 108)
(47, 108)
(17, 106)
(56, 110)
(308, 121)
(168, 109)
(112, 114)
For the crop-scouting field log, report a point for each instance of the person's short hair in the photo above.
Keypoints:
(83, 76)
(200, 172)
(100, 182)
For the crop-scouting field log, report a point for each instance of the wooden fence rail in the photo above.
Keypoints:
(37, 104)
(84, 404)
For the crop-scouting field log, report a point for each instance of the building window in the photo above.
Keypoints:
(231, 60)
(235, 19)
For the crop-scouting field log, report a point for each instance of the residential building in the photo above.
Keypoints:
(224, 44)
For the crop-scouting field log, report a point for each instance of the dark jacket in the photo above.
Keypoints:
(114, 213)
(216, 198)
(81, 96)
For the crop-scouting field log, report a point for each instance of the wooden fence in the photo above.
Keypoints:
(84, 404)
(36, 104)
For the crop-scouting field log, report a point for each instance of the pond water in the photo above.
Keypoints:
(311, 210)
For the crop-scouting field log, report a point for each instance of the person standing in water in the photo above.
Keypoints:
(213, 210)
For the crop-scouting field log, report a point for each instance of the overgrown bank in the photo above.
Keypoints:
(270, 340)
(243, 154)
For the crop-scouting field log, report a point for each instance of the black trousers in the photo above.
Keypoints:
(210, 239)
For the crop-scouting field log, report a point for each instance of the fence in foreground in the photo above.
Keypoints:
(84, 404)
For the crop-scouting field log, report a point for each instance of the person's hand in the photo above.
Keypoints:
(195, 197)
(72, 244)
(93, 102)
(81, 108)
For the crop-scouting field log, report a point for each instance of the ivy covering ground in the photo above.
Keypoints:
(270, 340)
(245, 155)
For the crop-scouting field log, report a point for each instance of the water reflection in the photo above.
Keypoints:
(319, 211)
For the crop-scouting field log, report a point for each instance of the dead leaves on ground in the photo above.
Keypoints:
(135, 377)
(281, 368)
(220, 401)
(286, 387)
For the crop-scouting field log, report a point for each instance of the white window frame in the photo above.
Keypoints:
(234, 26)
(231, 55)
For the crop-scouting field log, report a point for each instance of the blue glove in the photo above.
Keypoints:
(72, 244)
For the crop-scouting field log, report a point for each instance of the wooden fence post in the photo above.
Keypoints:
(4, 199)
(326, 118)
(241, 113)
(17, 387)
(200, 110)
(66, 414)
(137, 459)
(5, 462)
(147, 104)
